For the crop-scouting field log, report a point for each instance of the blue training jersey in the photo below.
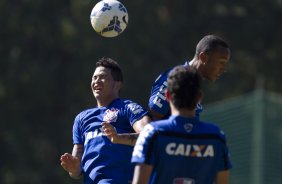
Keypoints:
(157, 100)
(182, 150)
(103, 161)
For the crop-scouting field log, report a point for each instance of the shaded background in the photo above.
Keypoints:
(48, 51)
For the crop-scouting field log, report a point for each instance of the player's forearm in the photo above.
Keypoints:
(128, 139)
(77, 153)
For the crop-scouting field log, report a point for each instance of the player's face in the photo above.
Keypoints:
(104, 87)
(215, 64)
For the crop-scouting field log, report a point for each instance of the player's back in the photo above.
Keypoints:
(187, 151)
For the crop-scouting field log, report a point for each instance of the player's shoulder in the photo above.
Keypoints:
(160, 125)
(155, 128)
(129, 103)
(121, 103)
(87, 111)
(163, 75)
(126, 101)
(132, 106)
(211, 128)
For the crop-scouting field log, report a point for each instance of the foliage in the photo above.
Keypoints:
(48, 51)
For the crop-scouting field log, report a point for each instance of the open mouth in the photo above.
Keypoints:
(97, 89)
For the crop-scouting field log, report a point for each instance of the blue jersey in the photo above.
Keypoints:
(182, 150)
(157, 100)
(103, 161)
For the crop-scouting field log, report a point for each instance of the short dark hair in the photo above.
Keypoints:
(113, 66)
(184, 85)
(210, 43)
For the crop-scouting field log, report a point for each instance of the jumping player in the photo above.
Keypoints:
(210, 60)
(94, 156)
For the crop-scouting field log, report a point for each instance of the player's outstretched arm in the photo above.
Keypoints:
(71, 162)
(222, 177)
(125, 138)
(142, 173)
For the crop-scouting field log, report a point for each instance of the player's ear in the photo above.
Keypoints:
(167, 95)
(203, 58)
(118, 85)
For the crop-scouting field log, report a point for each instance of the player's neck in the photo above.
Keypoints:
(183, 112)
(195, 63)
(105, 102)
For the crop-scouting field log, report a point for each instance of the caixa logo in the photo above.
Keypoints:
(190, 150)
(183, 181)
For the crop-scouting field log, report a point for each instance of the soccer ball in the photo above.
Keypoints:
(109, 18)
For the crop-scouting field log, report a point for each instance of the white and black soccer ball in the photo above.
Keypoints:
(109, 18)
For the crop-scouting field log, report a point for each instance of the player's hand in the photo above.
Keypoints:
(110, 131)
(70, 163)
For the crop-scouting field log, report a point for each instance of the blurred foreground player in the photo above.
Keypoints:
(181, 149)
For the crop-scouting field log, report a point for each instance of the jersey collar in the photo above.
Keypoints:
(183, 119)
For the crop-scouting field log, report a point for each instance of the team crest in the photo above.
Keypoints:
(188, 127)
(111, 115)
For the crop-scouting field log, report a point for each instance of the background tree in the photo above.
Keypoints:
(48, 51)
